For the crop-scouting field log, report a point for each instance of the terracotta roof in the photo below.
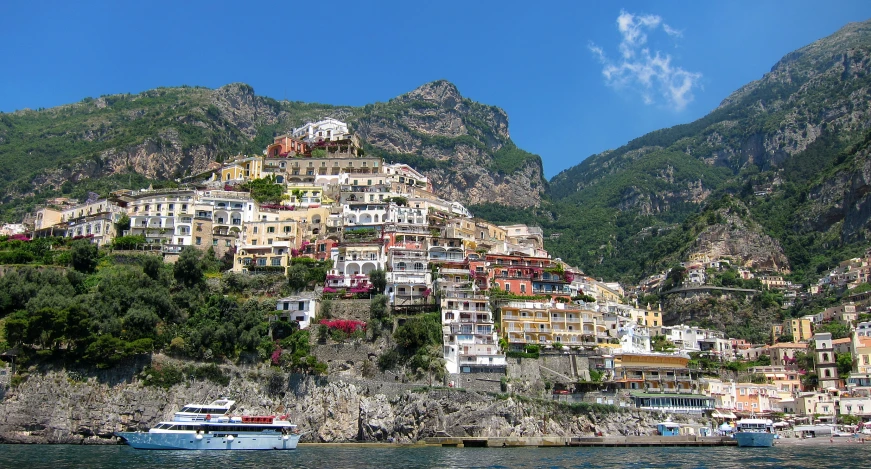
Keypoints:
(789, 345)
(845, 340)
(864, 341)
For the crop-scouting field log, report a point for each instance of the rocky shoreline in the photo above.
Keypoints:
(57, 406)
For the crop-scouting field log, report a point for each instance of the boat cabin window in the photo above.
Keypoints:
(183, 427)
(204, 410)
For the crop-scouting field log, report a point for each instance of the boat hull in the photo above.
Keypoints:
(755, 439)
(176, 441)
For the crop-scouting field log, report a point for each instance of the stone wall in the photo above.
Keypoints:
(350, 309)
(57, 406)
(551, 367)
(481, 382)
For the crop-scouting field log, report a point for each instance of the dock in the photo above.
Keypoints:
(547, 441)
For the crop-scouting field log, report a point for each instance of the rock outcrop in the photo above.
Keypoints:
(457, 142)
(172, 133)
(61, 407)
(734, 237)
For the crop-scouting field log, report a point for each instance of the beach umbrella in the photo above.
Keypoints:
(725, 427)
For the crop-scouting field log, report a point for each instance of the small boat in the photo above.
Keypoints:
(755, 432)
(211, 427)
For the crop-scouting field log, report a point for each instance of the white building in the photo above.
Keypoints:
(352, 264)
(408, 276)
(470, 339)
(633, 339)
(93, 220)
(325, 130)
(300, 309)
(162, 215)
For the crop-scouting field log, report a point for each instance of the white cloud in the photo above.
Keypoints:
(651, 74)
(671, 31)
(632, 28)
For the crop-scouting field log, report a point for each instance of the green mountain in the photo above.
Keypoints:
(791, 149)
(168, 133)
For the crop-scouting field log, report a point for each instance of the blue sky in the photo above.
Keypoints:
(574, 80)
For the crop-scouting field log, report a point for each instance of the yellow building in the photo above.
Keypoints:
(243, 169)
(267, 246)
(47, 218)
(305, 195)
(532, 323)
(305, 169)
(653, 373)
(463, 228)
(800, 329)
(653, 318)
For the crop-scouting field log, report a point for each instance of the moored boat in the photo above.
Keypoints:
(755, 432)
(211, 427)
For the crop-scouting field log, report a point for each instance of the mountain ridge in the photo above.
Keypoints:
(768, 141)
(169, 133)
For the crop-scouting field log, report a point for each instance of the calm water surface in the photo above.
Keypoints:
(62, 456)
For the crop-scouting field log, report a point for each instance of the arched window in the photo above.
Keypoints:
(825, 357)
(828, 373)
(418, 266)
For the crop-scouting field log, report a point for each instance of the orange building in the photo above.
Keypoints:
(286, 145)
(526, 275)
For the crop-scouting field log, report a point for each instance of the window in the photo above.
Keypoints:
(199, 240)
(270, 229)
(227, 243)
(214, 242)
(255, 230)
(276, 261)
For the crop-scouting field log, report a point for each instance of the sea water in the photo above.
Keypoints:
(332, 456)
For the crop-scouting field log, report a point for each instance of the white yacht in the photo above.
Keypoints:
(211, 427)
(755, 432)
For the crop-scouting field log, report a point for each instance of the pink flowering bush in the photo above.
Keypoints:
(348, 326)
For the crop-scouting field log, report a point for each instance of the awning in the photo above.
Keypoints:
(723, 414)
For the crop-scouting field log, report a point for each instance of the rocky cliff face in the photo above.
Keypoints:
(59, 407)
(168, 133)
(782, 135)
(457, 142)
(843, 199)
(734, 237)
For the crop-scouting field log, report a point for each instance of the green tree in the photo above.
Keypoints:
(122, 225)
(378, 308)
(128, 242)
(419, 331)
(84, 256)
(296, 277)
(188, 270)
(151, 265)
(845, 364)
(265, 190)
(15, 328)
(660, 343)
(378, 278)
